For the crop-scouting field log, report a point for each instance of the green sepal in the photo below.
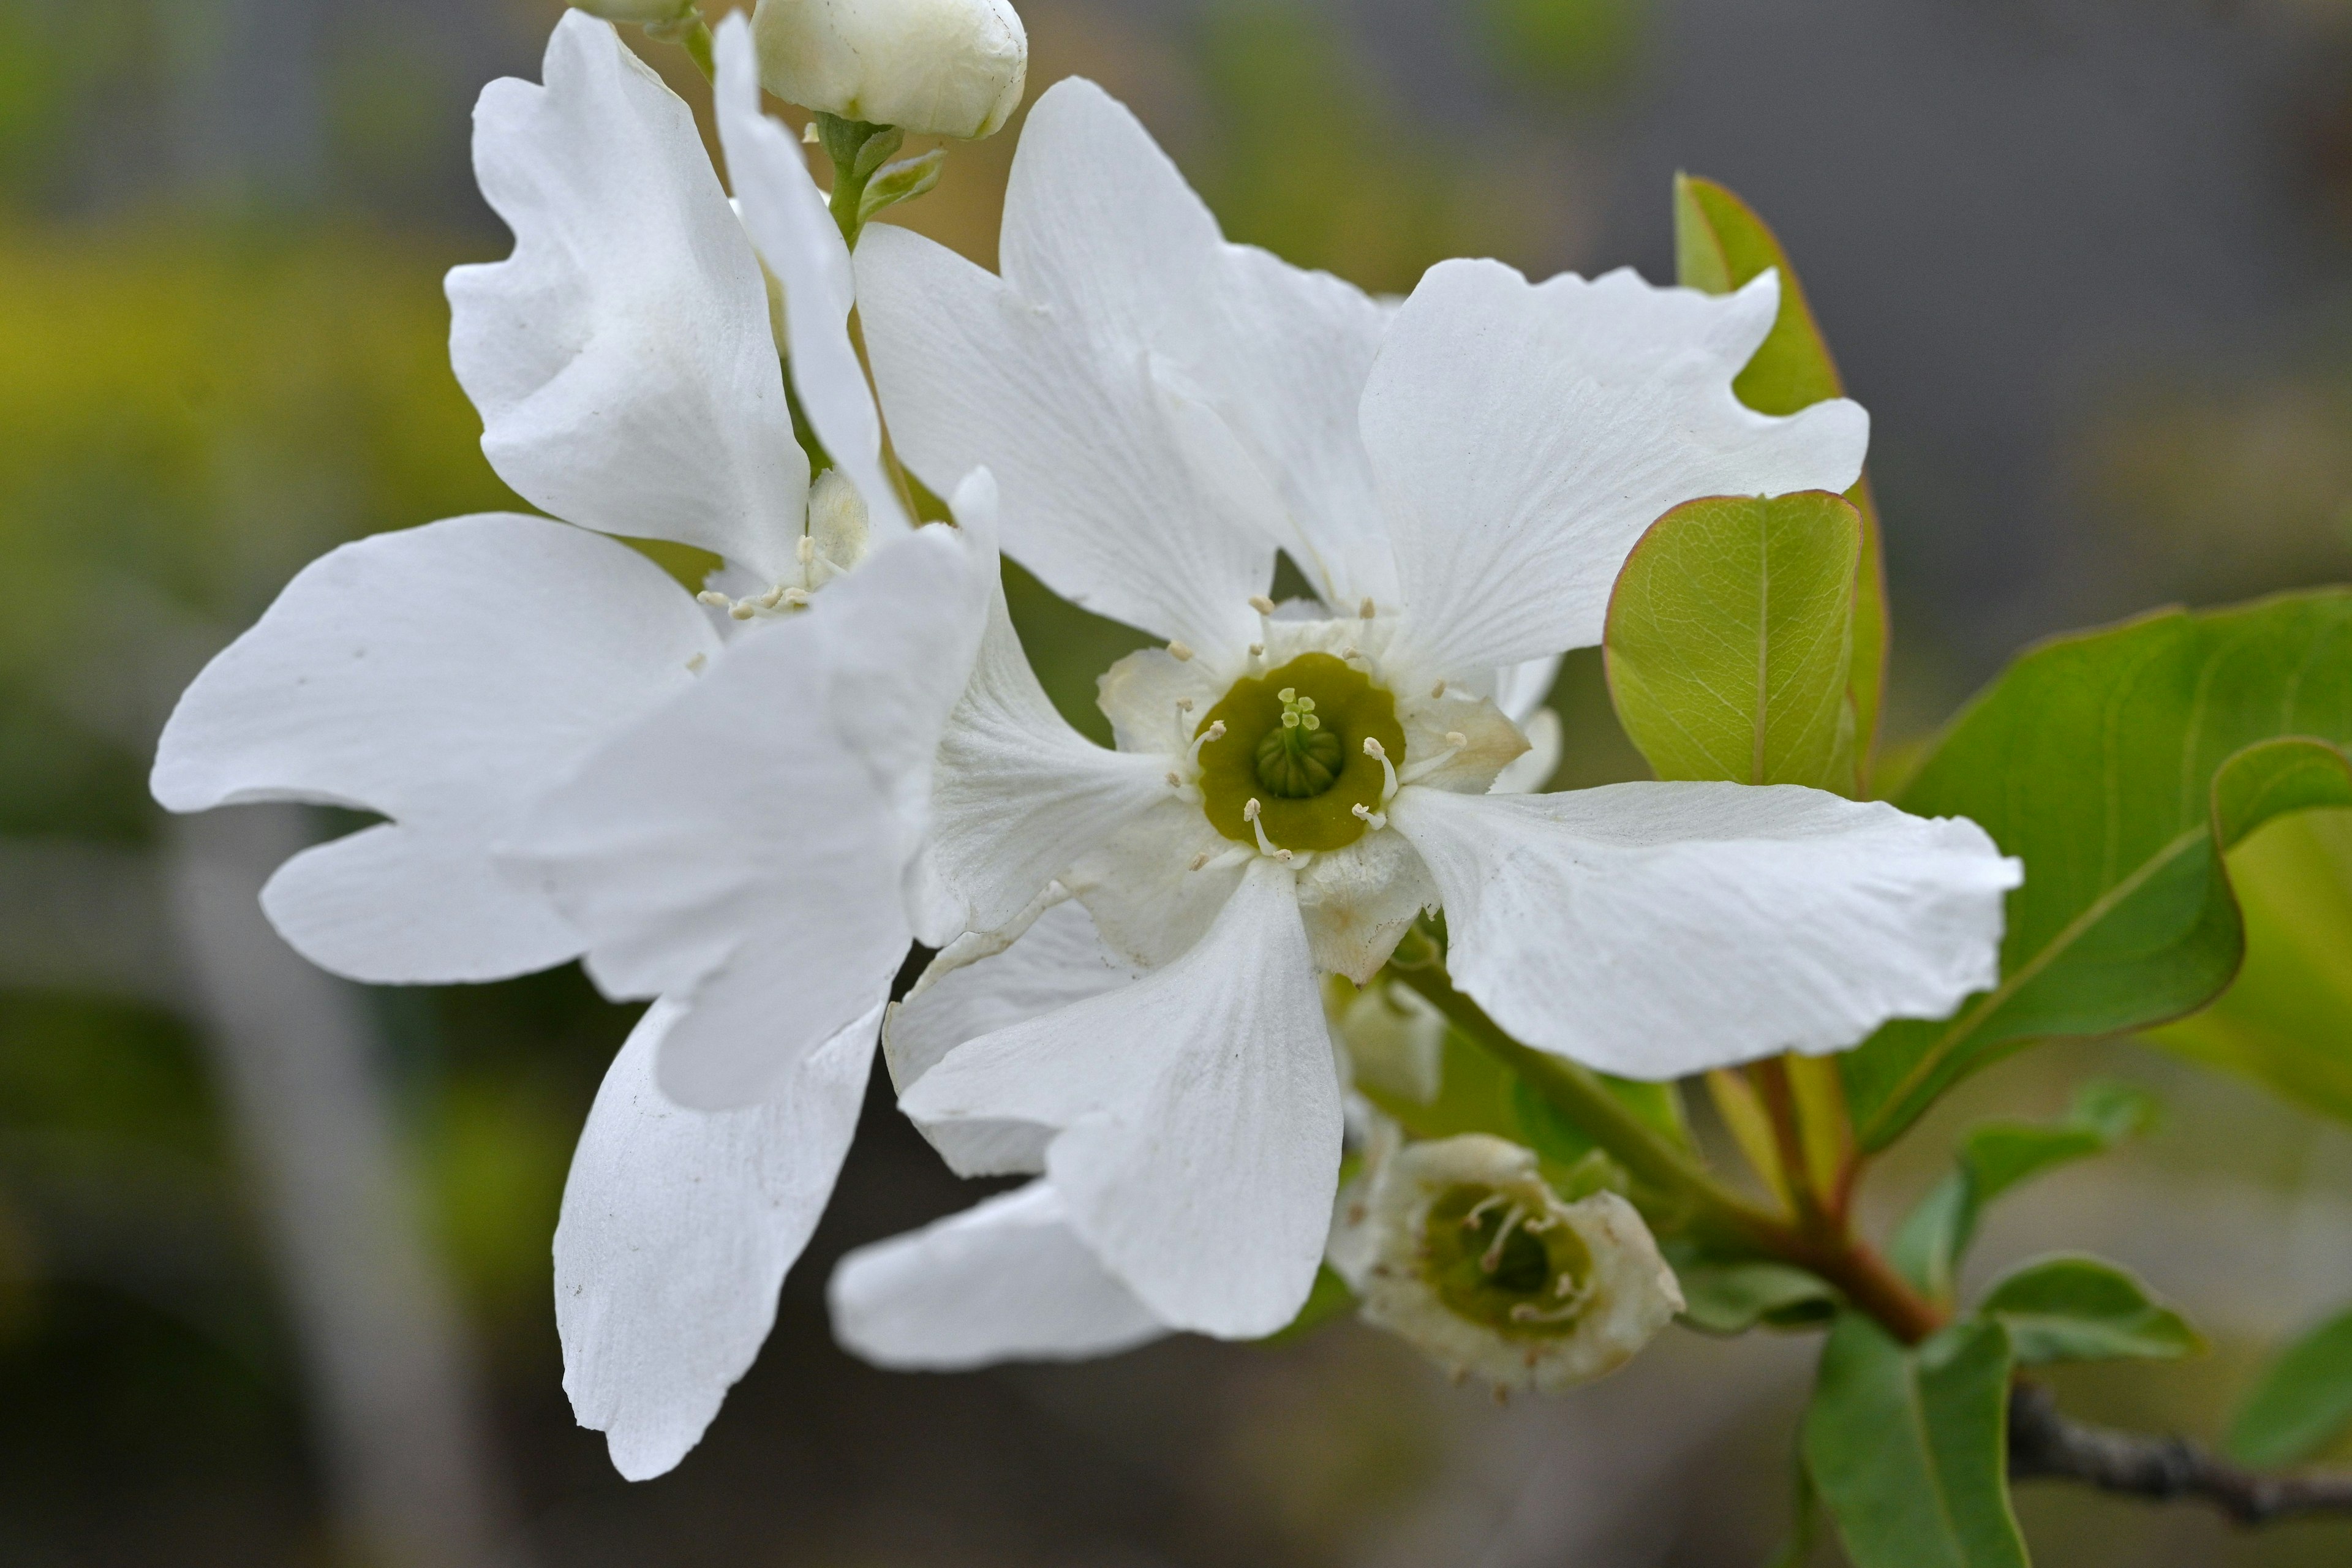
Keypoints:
(1730, 639)
(1995, 1156)
(2085, 1309)
(2302, 1402)
(1728, 1299)
(1910, 1447)
(1720, 244)
(2121, 765)
(901, 182)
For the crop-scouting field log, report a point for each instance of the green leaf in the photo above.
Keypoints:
(2081, 1309)
(1910, 1447)
(1719, 245)
(1733, 1297)
(2301, 1404)
(2121, 765)
(2283, 1020)
(901, 182)
(1995, 1156)
(1729, 635)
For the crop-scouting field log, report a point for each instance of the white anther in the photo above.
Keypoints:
(1215, 731)
(743, 610)
(1261, 604)
(1250, 813)
(1266, 846)
(769, 600)
(1199, 861)
(1365, 610)
(805, 550)
(717, 601)
(1379, 753)
(1258, 650)
(1184, 705)
(1437, 690)
(694, 665)
(1175, 778)
(809, 133)
(1179, 652)
(1371, 818)
(795, 598)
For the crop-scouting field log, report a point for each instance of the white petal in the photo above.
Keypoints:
(743, 848)
(1520, 689)
(1140, 884)
(444, 676)
(1019, 793)
(788, 222)
(1358, 902)
(621, 357)
(1533, 768)
(1060, 959)
(1099, 227)
(1005, 1280)
(1654, 930)
(677, 1230)
(1195, 1117)
(1525, 436)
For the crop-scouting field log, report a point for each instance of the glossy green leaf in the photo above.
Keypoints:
(1733, 1297)
(1910, 1447)
(1995, 1156)
(1729, 635)
(2303, 1403)
(1719, 245)
(2083, 1308)
(2121, 765)
(2284, 1021)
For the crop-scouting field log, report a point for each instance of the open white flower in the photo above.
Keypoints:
(1293, 785)
(453, 676)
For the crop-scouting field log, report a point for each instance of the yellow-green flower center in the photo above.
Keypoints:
(1294, 742)
(1503, 1261)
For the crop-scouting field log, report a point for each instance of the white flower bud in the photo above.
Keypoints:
(944, 67)
(1480, 1266)
(641, 11)
(1395, 1039)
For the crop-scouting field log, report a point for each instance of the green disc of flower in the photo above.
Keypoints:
(1492, 1262)
(1294, 742)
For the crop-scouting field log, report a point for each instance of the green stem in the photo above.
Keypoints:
(692, 34)
(1830, 1251)
(855, 164)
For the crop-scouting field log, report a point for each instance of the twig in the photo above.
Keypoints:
(2042, 1443)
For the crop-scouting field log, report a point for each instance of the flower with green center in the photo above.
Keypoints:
(1468, 1254)
(1137, 1013)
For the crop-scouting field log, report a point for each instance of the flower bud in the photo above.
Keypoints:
(648, 12)
(1480, 1265)
(1396, 1040)
(945, 68)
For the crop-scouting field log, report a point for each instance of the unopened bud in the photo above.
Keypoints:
(944, 68)
(649, 12)
(1396, 1040)
(1480, 1265)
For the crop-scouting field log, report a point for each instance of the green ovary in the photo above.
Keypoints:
(1294, 742)
(1485, 1263)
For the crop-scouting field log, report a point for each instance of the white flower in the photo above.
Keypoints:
(1468, 1255)
(945, 67)
(492, 682)
(1461, 481)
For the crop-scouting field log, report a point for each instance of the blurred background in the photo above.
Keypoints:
(274, 1271)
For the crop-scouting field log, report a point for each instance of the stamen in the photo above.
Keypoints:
(1265, 845)
(797, 598)
(1175, 779)
(1365, 612)
(805, 550)
(694, 665)
(767, 600)
(1455, 740)
(1371, 818)
(1198, 860)
(1215, 731)
(715, 599)
(1437, 690)
(1205, 861)
(1179, 652)
(1492, 1258)
(1258, 650)
(743, 610)
(1379, 753)
(1261, 604)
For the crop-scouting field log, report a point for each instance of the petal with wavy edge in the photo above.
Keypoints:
(621, 357)
(1195, 1116)
(1060, 959)
(1100, 498)
(1526, 435)
(1654, 930)
(1140, 884)
(795, 235)
(1020, 794)
(1533, 768)
(744, 849)
(1007, 1280)
(677, 1230)
(1100, 228)
(444, 676)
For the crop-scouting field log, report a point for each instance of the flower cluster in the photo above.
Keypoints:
(746, 799)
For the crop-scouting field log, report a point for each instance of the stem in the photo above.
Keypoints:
(1830, 1251)
(2042, 1443)
(692, 34)
(855, 164)
(1773, 1086)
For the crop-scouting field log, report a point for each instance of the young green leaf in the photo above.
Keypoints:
(2121, 765)
(1729, 635)
(2081, 1309)
(1910, 1447)
(1719, 245)
(2284, 1019)
(1733, 1297)
(2303, 1403)
(1995, 1156)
